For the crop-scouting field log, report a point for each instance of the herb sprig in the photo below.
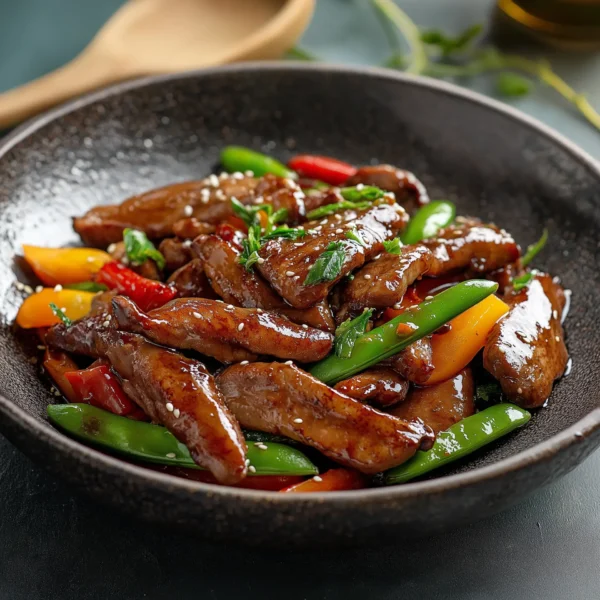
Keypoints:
(139, 248)
(349, 331)
(393, 246)
(328, 266)
(60, 314)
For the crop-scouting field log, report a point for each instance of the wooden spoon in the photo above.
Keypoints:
(146, 37)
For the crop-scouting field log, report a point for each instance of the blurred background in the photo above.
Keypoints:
(38, 36)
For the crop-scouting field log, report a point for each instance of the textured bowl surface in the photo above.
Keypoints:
(490, 160)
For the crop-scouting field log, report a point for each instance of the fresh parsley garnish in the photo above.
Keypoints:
(520, 282)
(139, 248)
(512, 85)
(535, 249)
(328, 266)
(87, 286)
(348, 332)
(250, 247)
(355, 237)
(285, 232)
(329, 209)
(61, 315)
(393, 246)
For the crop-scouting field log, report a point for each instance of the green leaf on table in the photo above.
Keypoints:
(349, 331)
(139, 248)
(512, 85)
(328, 266)
(449, 45)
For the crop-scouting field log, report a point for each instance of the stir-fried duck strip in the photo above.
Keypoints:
(471, 245)
(286, 263)
(525, 350)
(80, 337)
(282, 399)
(190, 227)
(414, 363)
(440, 405)
(182, 395)
(384, 281)
(227, 333)
(245, 288)
(380, 386)
(191, 282)
(176, 252)
(209, 200)
(409, 191)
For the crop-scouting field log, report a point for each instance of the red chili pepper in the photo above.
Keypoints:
(146, 293)
(99, 387)
(332, 481)
(329, 170)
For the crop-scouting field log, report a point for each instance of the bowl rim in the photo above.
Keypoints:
(538, 453)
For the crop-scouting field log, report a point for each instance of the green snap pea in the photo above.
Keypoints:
(155, 444)
(238, 158)
(418, 321)
(461, 439)
(428, 221)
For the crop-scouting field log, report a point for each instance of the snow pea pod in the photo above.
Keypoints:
(238, 158)
(153, 443)
(461, 439)
(428, 221)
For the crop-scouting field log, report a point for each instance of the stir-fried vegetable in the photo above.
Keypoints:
(153, 443)
(323, 168)
(334, 480)
(418, 321)
(328, 266)
(36, 311)
(330, 209)
(428, 221)
(535, 249)
(461, 439)
(57, 364)
(146, 293)
(139, 248)
(64, 265)
(349, 331)
(454, 350)
(239, 159)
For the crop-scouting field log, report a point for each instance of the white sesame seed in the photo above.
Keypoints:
(289, 182)
(111, 248)
(377, 257)
(360, 186)
(260, 261)
(429, 297)
(555, 314)
(324, 222)
(252, 468)
(28, 289)
(187, 243)
(197, 315)
(519, 390)
(245, 362)
(298, 420)
(297, 277)
(19, 286)
(106, 323)
(64, 309)
(213, 180)
(304, 326)
(249, 173)
(337, 217)
(339, 230)
(259, 310)
(220, 195)
(247, 461)
(40, 347)
(240, 326)
(318, 478)
(298, 244)
(262, 447)
(289, 362)
(125, 260)
(230, 306)
(39, 288)
(557, 338)
(318, 228)
(223, 175)
(58, 288)
(90, 259)
(176, 413)
(188, 211)
(171, 455)
(169, 406)
(237, 175)
(367, 276)
(290, 273)
(397, 306)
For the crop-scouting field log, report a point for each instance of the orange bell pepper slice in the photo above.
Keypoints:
(36, 312)
(333, 480)
(454, 350)
(64, 265)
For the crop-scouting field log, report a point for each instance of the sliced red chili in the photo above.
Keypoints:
(323, 168)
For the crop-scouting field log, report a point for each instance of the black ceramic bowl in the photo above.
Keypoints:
(492, 161)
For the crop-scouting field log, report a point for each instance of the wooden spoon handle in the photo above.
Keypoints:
(85, 73)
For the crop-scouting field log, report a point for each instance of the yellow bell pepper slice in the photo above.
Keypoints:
(65, 265)
(36, 312)
(454, 350)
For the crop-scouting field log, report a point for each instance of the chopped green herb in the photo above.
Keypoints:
(87, 286)
(328, 266)
(60, 314)
(355, 237)
(329, 209)
(360, 193)
(250, 247)
(139, 248)
(248, 213)
(451, 45)
(512, 85)
(520, 282)
(535, 249)
(393, 246)
(279, 215)
(284, 232)
(348, 332)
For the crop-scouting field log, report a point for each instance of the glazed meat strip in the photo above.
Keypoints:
(182, 395)
(176, 252)
(525, 350)
(414, 363)
(189, 228)
(209, 200)
(245, 288)
(282, 399)
(409, 191)
(441, 405)
(471, 245)
(191, 282)
(384, 281)
(225, 332)
(285, 263)
(380, 386)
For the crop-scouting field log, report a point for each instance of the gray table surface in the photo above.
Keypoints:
(54, 544)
